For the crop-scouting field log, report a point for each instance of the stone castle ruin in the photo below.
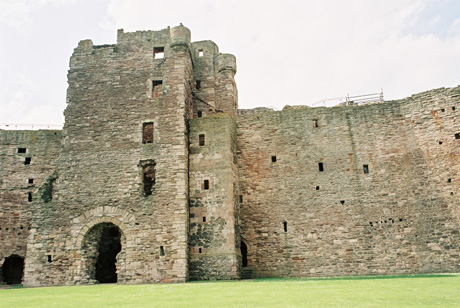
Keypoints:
(158, 177)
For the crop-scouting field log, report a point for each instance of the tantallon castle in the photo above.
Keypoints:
(158, 177)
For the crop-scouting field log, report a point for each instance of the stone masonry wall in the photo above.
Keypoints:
(113, 92)
(18, 180)
(384, 203)
(213, 238)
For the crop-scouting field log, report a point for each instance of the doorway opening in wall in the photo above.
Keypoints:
(100, 248)
(244, 254)
(13, 269)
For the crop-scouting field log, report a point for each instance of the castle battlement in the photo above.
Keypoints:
(157, 176)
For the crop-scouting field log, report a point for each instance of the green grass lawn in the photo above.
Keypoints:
(396, 291)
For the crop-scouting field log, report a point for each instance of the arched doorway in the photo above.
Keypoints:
(244, 254)
(13, 269)
(100, 248)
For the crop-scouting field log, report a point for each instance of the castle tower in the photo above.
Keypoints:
(120, 191)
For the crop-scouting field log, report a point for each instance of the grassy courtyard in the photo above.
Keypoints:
(396, 291)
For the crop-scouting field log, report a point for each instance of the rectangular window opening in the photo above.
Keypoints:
(273, 159)
(204, 218)
(366, 168)
(199, 113)
(241, 198)
(201, 140)
(285, 226)
(158, 52)
(457, 136)
(317, 187)
(198, 84)
(157, 88)
(162, 251)
(22, 150)
(29, 197)
(206, 184)
(321, 167)
(30, 181)
(28, 160)
(449, 180)
(315, 123)
(149, 179)
(50, 259)
(442, 110)
(453, 107)
(147, 133)
(199, 250)
(200, 53)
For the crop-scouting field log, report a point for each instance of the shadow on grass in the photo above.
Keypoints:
(358, 277)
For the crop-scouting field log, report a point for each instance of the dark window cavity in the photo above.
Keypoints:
(199, 250)
(366, 168)
(22, 150)
(148, 173)
(28, 160)
(457, 136)
(30, 181)
(285, 226)
(206, 184)
(157, 88)
(342, 201)
(321, 167)
(453, 107)
(315, 123)
(241, 198)
(199, 113)
(162, 251)
(201, 140)
(317, 187)
(204, 218)
(158, 52)
(198, 84)
(442, 110)
(50, 259)
(147, 133)
(449, 180)
(273, 159)
(29, 197)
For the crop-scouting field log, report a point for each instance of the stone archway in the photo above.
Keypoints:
(101, 250)
(13, 269)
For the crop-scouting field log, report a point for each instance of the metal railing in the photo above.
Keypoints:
(353, 100)
(13, 126)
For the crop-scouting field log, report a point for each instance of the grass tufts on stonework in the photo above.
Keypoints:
(374, 291)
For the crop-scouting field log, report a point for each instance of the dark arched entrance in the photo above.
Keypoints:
(100, 248)
(244, 254)
(12, 269)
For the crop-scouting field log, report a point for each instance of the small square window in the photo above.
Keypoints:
(273, 159)
(30, 181)
(366, 168)
(201, 140)
(22, 150)
(158, 52)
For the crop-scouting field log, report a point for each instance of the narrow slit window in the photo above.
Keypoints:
(158, 52)
(273, 159)
(157, 88)
(147, 133)
(148, 179)
(22, 150)
(199, 113)
(206, 184)
(198, 84)
(29, 197)
(315, 123)
(204, 218)
(50, 259)
(201, 140)
(27, 160)
(366, 168)
(285, 226)
(457, 136)
(321, 167)
(162, 251)
(199, 250)
(241, 198)
(200, 53)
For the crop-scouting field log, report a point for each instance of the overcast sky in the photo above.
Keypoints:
(288, 52)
